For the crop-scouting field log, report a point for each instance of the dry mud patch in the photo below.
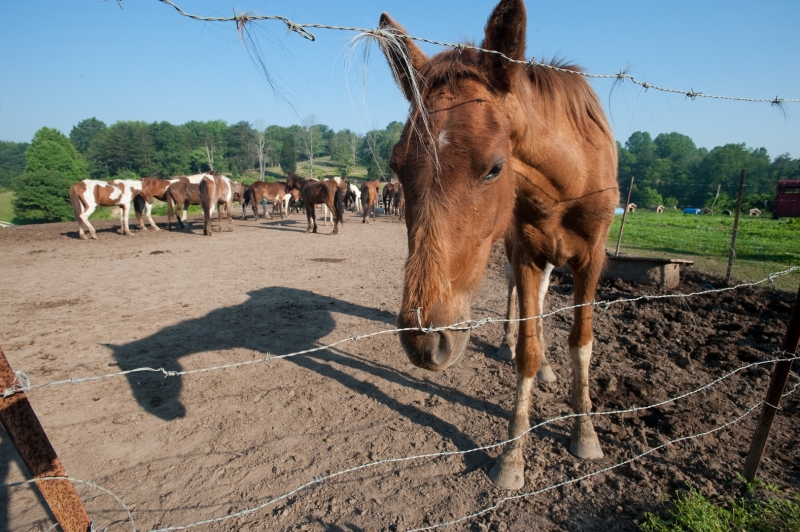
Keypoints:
(185, 449)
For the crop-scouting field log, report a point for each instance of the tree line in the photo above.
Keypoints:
(669, 169)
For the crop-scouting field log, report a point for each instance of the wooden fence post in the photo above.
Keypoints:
(30, 440)
(732, 252)
(624, 215)
(777, 383)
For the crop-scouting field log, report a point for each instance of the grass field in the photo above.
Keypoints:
(6, 209)
(763, 245)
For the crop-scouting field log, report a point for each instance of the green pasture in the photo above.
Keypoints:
(763, 245)
(6, 209)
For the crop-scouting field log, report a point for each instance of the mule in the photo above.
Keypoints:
(152, 188)
(218, 191)
(263, 190)
(88, 194)
(494, 149)
(369, 199)
(313, 193)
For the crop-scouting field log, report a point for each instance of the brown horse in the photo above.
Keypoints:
(218, 191)
(152, 188)
(313, 193)
(369, 199)
(399, 201)
(388, 197)
(506, 149)
(273, 192)
(181, 194)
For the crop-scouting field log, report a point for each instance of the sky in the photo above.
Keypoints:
(62, 62)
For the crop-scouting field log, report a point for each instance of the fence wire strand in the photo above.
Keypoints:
(22, 382)
(242, 19)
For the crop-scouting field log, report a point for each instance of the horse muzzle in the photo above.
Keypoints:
(432, 350)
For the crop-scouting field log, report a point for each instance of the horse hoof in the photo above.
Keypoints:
(546, 374)
(584, 443)
(510, 476)
(505, 352)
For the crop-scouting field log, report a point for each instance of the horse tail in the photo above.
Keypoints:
(338, 204)
(78, 203)
(170, 208)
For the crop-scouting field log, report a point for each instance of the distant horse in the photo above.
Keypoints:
(181, 194)
(388, 197)
(526, 150)
(85, 196)
(342, 184)
(369, 199)
(312, 193)
(152, 188)
(399, 201)
(353, 198)
(263, 190)
(632, 207)
(220, 191)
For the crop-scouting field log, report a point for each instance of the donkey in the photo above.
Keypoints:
(528, 152)
(85, 196)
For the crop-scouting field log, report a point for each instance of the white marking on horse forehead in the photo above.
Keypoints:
(442, 142)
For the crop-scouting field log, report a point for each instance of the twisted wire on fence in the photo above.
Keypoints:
(242, 19)
(22, 381)
(322, 478)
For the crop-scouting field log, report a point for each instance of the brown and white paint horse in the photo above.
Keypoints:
(369, 199)
(218, 191)
(152, 188)
(494, 149)
(313, 193)
(85, 196)
(262, 190)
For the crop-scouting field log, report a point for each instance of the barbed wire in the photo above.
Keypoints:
(322, 478)
(22, 382)
(242, 19)
(87, 483)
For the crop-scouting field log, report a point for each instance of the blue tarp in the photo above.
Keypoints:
(692, 210)
(619, 210)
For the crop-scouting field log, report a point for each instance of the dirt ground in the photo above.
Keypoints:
(180, 450)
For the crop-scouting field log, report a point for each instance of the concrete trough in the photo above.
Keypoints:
(664, 273)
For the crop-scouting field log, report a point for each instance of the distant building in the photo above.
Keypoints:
(787, 201)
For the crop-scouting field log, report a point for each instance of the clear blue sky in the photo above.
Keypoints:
(63, 62)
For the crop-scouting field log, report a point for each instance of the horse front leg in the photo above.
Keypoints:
(506, 350)
(583, 441)
(149, 213)
(509, 470)
(123, 219)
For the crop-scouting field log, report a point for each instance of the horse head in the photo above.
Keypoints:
(456, 163)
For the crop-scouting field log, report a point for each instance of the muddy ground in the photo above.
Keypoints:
(180, 450)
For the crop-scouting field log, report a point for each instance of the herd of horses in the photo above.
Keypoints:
(495, 147)
(214, 191)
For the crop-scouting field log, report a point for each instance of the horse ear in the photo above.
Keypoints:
(404, 56)
(505, 33)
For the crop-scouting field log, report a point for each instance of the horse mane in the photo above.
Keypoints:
(559, 90)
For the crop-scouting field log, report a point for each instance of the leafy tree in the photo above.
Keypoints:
(239, 140)
(123, 146)
(171, 151)
(641, 146)
(83, 133)
(649, 196)
(12, 162)
(288, 154)
(53, 165)
(343, 160)
(43, 196)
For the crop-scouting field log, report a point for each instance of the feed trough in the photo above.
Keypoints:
(664, 273)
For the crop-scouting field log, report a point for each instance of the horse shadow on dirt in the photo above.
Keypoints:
(278, 320)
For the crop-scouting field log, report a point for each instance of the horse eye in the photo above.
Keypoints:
(494, 173)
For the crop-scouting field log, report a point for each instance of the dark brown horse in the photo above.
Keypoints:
(496, 149)
(399, 201)
(313, 193)
(273, 192)
(180, 195)
(369, 199)
(388, 197)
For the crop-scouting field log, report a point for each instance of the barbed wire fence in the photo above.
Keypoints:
(23, 383)
(242, 20)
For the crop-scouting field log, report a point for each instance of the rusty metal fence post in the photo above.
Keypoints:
(777, 383)
(30, 440)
